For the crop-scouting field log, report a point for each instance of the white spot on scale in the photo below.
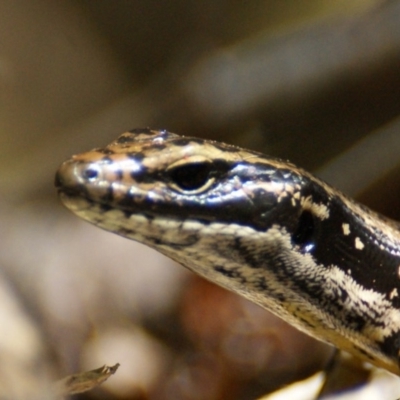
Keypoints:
(346, 229)
(320, 210)
(359, 244)
(394, 293)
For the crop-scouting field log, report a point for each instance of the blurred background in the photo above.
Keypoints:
(316, 82)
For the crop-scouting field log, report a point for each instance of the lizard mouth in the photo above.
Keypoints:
(73, 200)
(138, 225)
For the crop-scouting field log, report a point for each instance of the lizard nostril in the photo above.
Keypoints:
(91, 174)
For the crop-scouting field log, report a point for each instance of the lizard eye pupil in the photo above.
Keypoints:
(192, 176)
(304, 235)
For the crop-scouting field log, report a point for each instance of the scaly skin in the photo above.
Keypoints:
(256, 225)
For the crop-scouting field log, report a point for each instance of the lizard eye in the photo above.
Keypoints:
(193, 177)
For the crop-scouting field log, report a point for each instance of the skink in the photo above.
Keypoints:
(256, 225)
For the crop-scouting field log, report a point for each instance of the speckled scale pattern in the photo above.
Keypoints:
(258, 226)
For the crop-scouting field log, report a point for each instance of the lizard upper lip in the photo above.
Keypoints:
(72, 194)
(66, 187)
